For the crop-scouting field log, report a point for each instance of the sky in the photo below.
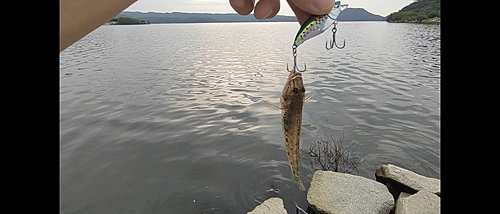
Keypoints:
(378, 7)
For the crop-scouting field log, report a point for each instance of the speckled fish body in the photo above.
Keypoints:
(292, 99)
(316, 25)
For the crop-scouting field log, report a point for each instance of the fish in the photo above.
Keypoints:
(291, 102)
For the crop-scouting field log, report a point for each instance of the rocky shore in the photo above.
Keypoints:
(395, 190)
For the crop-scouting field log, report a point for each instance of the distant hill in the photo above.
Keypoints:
(350, 14)
(420, 11)
(127, 21)
(359, 14)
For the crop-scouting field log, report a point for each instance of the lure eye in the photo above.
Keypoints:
(295, 90)
(303, 89)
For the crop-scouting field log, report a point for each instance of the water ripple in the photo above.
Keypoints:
(157, 118)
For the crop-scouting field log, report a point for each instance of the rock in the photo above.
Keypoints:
(408, 181)
(421, 202)
(333, 192)
(270, 206)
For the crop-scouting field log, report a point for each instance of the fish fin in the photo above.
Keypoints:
(271, 104)
(308, 97)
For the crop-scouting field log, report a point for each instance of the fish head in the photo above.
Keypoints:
(294, 90)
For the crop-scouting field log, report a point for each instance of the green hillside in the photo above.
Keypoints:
(420, 11)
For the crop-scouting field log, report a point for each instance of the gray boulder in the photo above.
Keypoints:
(270, 206)
(406, 180)
(333, 192)
(421, 202)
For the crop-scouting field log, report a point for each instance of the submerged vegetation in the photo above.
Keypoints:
(331, 155)
(420, 11)
(127, 21)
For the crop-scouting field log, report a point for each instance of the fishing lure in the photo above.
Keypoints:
(316, 25)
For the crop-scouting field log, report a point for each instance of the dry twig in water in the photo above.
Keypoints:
(331, 155)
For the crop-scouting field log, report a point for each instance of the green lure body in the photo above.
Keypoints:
(316, 25)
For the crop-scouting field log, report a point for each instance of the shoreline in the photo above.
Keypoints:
(395, 191)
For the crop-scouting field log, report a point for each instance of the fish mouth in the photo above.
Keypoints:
(295, 75)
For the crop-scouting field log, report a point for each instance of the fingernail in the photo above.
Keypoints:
(323, 4)
(268, 14)
(239, 3)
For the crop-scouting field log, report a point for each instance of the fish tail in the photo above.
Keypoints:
(299, 182)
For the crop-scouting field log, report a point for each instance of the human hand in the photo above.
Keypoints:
(265, 9)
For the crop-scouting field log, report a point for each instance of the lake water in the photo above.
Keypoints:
(169, 118)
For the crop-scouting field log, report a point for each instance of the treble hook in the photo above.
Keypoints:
(295, 68)
(332, 42)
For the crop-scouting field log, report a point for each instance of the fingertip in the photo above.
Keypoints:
(322, 6)
(265, 9)
(301, 15)
(316, 7)
(242, 7)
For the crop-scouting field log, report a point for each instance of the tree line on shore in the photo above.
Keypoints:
(127, 21)
(420, 11)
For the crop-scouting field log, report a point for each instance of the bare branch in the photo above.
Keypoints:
(331, 155)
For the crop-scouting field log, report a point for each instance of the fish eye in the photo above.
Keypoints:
(303, 89)
(295, 90)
